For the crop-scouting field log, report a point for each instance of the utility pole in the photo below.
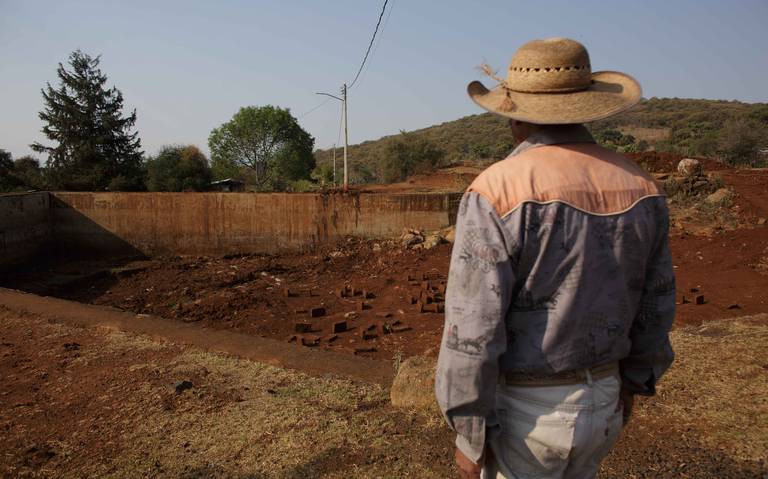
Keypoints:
(334, 164)
(346, 137)
(343, 101)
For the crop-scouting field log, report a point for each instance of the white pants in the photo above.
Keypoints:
(554, 431)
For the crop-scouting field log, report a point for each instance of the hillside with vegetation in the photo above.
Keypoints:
(731, 131)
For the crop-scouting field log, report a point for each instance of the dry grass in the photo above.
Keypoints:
(718, 386)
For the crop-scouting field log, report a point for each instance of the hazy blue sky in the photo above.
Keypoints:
(187, 66)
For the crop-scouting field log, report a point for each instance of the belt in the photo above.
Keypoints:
(573, 376)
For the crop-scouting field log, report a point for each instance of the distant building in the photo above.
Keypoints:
(228, 184)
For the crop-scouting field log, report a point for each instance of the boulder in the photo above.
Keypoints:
(432, 240)
(721, 197)
(449, 234)
(689, 167)
(414, 384)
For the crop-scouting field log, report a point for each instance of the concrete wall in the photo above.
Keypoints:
(25, 227)
(218, 223)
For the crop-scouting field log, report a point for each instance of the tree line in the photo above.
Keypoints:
(94, 145)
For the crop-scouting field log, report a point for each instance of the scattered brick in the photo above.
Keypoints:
(431, 308)
(700, 299)
(400, 329)
(316, 312)
(362, 306)
(734, 306)
(310, 341)
(414, 283)
(300, 311)
(287, 292)
(302, 327)
(367, 294)
(341, 292)
(293, 339)
(366, 335)
(420, 306)
(332, 338)
(339, 326)
(384, 314)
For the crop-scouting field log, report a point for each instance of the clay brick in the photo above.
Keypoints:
(414, 283)
(361, 306)
(441, 289)
(368, 294)
(310, 341)
(316, 312)
(400, 329)
(431, 308)
(332, 338)
(287, 292)
(366, 334)
(414, 299)
(293, 339)
(420, 306)
(302, 327)
(700, 299)
(339, 326)
(341, 293)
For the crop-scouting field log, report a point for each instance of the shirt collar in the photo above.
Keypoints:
(555, 135)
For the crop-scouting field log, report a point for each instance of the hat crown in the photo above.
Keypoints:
(550, 66)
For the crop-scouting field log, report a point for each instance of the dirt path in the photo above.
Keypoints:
(266, 351)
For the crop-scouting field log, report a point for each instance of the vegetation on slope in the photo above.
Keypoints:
(729, 130)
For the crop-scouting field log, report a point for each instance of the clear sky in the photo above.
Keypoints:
(187, 66)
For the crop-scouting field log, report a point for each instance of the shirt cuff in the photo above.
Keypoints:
(473, 451)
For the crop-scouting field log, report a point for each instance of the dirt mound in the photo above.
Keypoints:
(662, 162)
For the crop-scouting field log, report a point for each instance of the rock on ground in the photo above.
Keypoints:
(414, 384)
(722, 196)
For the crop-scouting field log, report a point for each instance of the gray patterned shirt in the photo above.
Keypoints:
(561, 261)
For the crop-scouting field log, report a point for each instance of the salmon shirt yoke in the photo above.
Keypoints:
(561, 261)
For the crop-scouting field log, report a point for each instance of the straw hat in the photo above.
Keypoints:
(551, 81)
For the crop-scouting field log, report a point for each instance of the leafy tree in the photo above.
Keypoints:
(7, 180)
(94, 143)
(267, 142)
(178, 168)
(410, 154)
(740, 140)
(28, 174)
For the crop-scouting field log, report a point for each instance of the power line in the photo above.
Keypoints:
(384, 7)
(312, 109)
(378, 42)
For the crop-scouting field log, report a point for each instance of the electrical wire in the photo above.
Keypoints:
(383, 8)
(313, 109)
(378, 42)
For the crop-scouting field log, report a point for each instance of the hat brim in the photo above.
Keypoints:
(610, 93)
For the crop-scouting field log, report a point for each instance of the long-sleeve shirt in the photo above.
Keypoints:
(560, 262)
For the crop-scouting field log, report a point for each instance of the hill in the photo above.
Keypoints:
(731, 130)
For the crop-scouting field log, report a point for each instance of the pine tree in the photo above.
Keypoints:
(96, 148)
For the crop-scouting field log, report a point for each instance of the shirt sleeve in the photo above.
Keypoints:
(474, 337)
(651, 353)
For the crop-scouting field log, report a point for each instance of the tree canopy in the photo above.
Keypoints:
(178, 168)
(265, 146)
(94, 146)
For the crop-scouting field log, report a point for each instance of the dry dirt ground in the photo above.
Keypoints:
(83, 402)
(90, 402)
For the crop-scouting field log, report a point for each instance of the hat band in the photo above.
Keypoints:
(548, 90)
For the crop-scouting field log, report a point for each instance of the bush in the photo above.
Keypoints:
(409, 155)
(178, 168)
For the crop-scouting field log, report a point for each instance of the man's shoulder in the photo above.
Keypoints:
(582, 175)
